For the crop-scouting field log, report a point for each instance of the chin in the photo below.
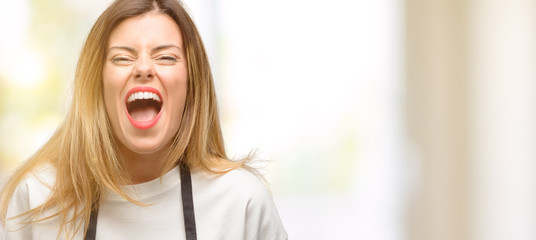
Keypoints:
(145, 146)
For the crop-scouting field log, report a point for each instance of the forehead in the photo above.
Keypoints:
(149, 29)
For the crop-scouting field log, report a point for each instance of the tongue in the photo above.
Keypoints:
(143, 114)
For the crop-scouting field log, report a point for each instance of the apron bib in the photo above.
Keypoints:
(187, 208)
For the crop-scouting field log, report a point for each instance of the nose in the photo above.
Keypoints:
(144, 69)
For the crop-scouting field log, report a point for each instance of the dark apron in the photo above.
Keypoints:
(187, 207)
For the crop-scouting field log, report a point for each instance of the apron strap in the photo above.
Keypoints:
(187, 208)
(188, 203)
(92, 228)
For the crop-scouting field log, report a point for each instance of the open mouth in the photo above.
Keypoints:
(143, 107)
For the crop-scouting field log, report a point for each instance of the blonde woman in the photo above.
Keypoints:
(140, 154)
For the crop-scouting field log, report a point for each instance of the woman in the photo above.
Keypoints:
(140, 154)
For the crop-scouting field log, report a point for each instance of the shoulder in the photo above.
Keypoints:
(238, 183)
(242, 196)
(41, 180)
(34, 189)
(244, 179)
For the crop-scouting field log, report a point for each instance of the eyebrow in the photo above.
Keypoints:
(161, 47)
(129, 49)
(153, 50)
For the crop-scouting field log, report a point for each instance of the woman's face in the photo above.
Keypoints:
(145, 79)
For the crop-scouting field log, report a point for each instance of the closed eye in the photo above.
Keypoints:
(167, 59)
(122, 60)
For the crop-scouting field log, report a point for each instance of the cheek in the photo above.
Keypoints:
(176, 84)
(178, 97)
(113, 81)
(175, 81)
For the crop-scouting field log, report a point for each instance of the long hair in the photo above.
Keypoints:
(84, 151)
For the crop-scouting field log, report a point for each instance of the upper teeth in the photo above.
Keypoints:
(143, 95)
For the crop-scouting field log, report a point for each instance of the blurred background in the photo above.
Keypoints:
(387, 119)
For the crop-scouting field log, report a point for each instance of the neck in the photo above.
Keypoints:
(142, 167)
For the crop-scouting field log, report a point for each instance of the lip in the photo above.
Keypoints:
(143, 124)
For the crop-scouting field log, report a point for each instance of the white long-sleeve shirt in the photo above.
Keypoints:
(231, 206)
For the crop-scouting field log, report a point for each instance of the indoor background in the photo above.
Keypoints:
(386, 119)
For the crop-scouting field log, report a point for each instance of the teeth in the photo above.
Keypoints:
(143, 95)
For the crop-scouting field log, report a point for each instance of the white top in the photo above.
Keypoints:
(232, 206)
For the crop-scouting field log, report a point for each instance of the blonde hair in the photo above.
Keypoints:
(83, 150)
